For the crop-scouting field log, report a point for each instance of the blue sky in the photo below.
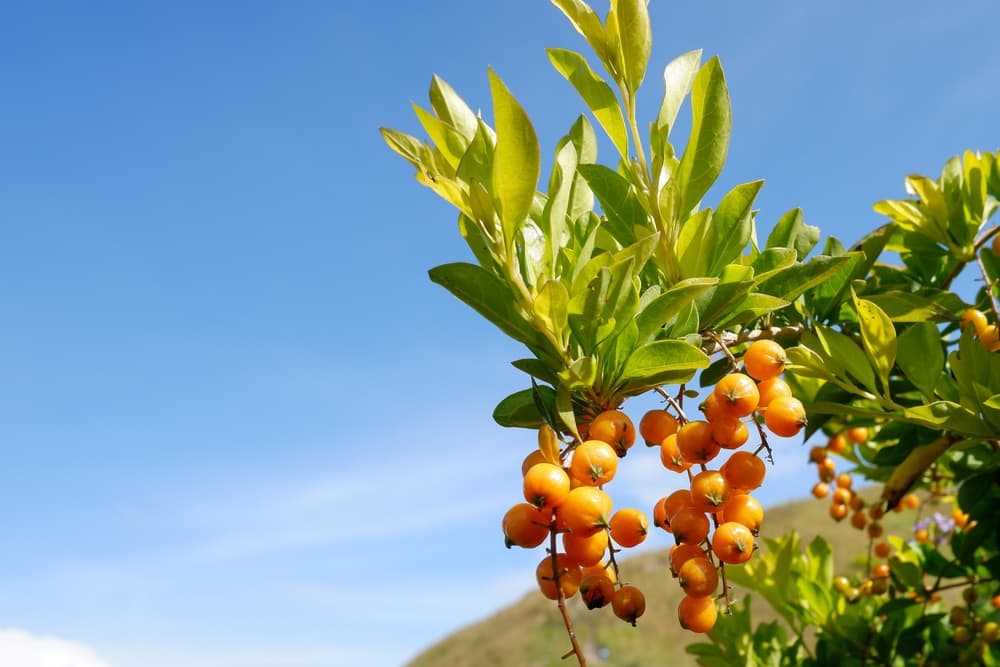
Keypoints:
(239, 426)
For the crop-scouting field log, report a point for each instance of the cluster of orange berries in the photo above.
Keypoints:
(567, 503)
(988, 334)
(720, 498)
(714, 519)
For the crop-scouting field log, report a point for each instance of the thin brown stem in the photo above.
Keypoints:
(672, 402)
(711, 341)
(561, 600)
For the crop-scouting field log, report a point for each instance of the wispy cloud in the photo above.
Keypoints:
(22, 649)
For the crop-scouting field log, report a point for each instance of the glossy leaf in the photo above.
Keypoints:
(516, 160)
(452, 109)
(618, 201)
(731, 226)
(552, 305)
(598, 95)
(635, 39)
(665, 358)
(520, 409)
(678, 77)
(792, 232)
(664, 308)
(588, 24)
(878, 337)
(488, 296)
(708, 143)
(921, 357)
(797, 279)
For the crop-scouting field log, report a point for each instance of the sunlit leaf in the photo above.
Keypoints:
(708, 143)
(598, 95)
(516, 160)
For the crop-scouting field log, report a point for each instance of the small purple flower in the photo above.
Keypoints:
(923, 524)
(945, 524)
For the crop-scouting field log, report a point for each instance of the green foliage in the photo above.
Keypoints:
(618, 279)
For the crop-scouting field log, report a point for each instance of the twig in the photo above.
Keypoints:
(561, 601)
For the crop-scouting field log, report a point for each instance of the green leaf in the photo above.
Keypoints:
(731, 225)
(792, 232)
(564, 408)
(678, 77)
(735, 283)
(949, 416)
(488, 296)
(520, 410)
(618, 201)
(921, 357)
(844, 353)
(407, 146)
(797, 279)
(878, 337)
(751, 307)
(708, 143)
(635, 39)
(664, 308)
(598, 95)
(477, 161)
(770, 262)
(552, 306)
(909, 307)
(452, 109)
(516, 160)
(588, 24)
(664, 359)
(446, 139)
(536, 369)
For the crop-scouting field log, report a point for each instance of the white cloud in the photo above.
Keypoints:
(22, 649)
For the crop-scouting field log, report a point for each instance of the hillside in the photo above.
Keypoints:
(529, 633)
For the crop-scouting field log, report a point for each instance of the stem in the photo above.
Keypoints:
(713, 342)
(672, 402)
(561, 601)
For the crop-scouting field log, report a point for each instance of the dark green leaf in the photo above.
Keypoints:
(731, 225)
(618, 201)
(921, 357)
(520, 410)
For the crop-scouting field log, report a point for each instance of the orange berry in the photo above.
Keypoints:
(733, 542)
(530, 460)
(770, 390)
(960, 517)
(670, 455)
(711, 408)
(859, 520)
(765, 359)
(585, 510)
(546, 485)
(570, 576)
(615, 428)
(857, 434)
(841, 496)
(976, 318)
(785, 416)
(602, 568)
(821, 489)
(910, 501)
(744, 471)
(838, 512)
(628, 527)
(681, 553)
(628, 603)
(695, 442)
(844, 480)
(698, 577)
(697, 614)
(594, 463)
(596, 590)
(882, 549)
(525, 525)
(875, 530)
(585, 550)
(730, 433)
(817, 454)
(709, 491)
(655, 425)
(689, 525)
(880, 571)
(837, 444)
(743, 508)
(737, 395)
(990, 338)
